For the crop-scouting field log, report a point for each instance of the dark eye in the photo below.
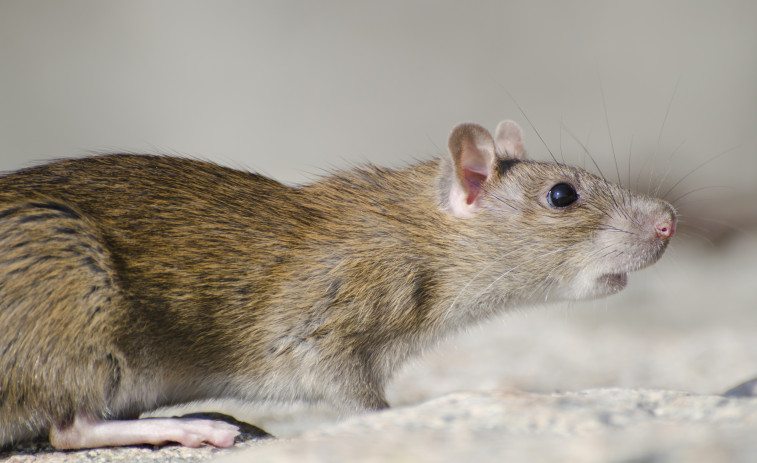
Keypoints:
(562, 195)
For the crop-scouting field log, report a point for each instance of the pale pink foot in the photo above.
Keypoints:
(88, 433)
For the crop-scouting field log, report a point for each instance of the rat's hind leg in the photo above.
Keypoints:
(88, 433)
(61, 370)
(57, 299)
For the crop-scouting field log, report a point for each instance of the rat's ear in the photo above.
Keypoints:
(509, 138)
(474, 159)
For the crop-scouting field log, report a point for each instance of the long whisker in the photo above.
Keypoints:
(659, 137)
(729, 225)
(487, 267)
(669, 169)
(630, 154)
(609, 132)
(667, 112)
(544, 285)
(586, 151)
(498, 198)
(449, 310)
(700, 236)
(692, 171)
(697, 190)
(562, 153)
(525, 116)
(518, 266)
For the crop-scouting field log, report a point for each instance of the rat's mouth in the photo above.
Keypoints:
(614, 282)
(594, 285)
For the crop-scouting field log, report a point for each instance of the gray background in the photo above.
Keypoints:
(292, 89)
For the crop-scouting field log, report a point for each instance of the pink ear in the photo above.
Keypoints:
(474, 159)
(509, 138)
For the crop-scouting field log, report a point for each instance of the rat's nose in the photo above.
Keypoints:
(665, 224)
(665, 229)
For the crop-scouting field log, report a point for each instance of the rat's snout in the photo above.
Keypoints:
(664, 221)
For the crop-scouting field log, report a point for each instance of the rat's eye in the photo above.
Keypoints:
(562, 195)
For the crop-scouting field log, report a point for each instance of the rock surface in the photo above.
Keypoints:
(598, 425)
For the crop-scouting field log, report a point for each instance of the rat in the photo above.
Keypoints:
(132, 282)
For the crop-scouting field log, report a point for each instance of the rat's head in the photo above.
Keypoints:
(540, 231)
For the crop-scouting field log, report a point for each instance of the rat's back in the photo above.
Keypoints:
(97, 258)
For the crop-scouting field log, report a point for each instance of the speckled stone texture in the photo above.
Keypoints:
(598, 425)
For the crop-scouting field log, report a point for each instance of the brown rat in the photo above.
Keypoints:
(131, 282)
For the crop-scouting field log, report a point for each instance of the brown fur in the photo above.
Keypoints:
(131, 282)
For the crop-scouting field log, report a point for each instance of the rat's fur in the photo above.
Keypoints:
(131, 282)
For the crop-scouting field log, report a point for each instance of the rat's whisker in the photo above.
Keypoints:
(696, 168)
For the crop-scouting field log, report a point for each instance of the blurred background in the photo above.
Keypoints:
(663, 94)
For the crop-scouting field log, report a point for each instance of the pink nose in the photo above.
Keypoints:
(665, 228)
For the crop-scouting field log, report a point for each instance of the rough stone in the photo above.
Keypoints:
(598, 425)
